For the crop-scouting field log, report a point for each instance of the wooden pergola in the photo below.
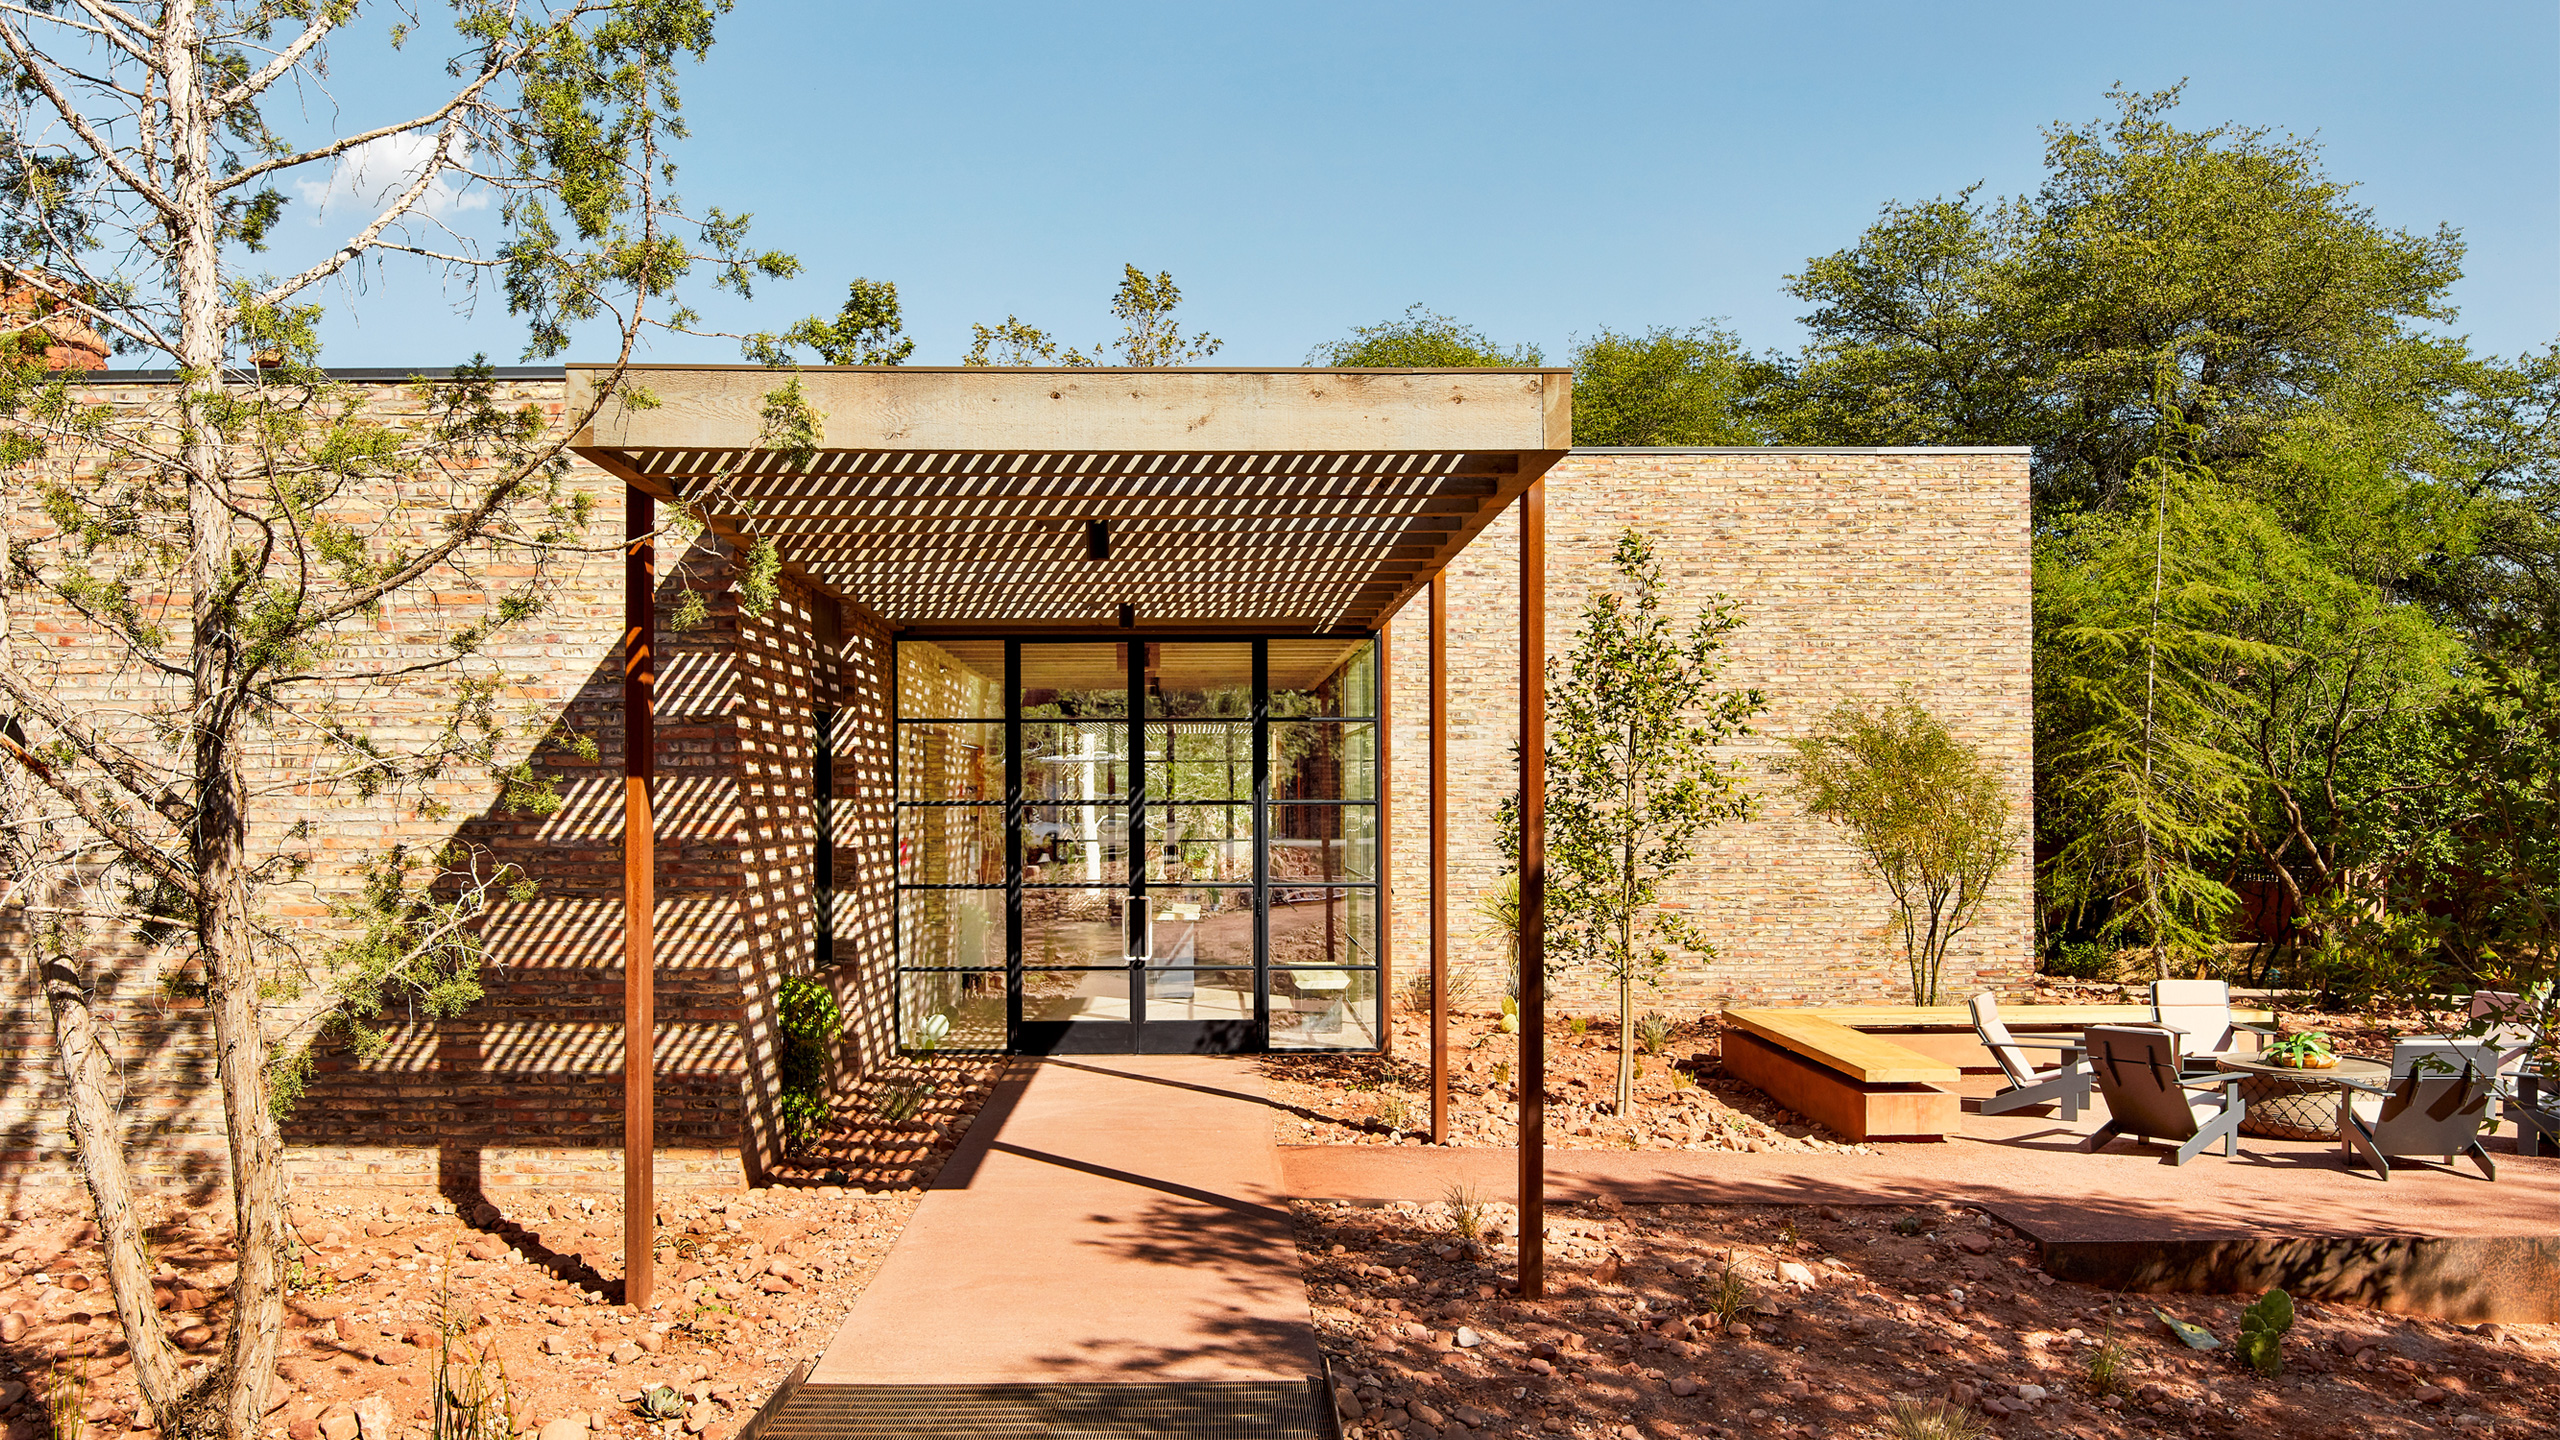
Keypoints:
(1022, 502)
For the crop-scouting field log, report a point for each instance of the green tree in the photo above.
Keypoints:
(2134, 702)
(226, 538)
(2225, 259)
(1634, 780)
(1419, 339)
(1149, 337)
(1667, 387)
(1929, 813)
(867, 331)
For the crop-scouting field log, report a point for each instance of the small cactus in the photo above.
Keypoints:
(2262, 1328)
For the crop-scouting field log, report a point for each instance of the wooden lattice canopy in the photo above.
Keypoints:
(964, 499)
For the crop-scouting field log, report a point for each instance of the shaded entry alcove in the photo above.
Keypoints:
(1167, 846)
(1098, 506)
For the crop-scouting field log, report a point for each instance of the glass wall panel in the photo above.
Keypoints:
(1324, 1009)
(1187, 680)
(1320, 927)
(1200, 843)
(1069, 996)
(1199, 995)
(951, 679)
(951, 760)
(1197, 925)
(951, 928)
(951, 845)
(1075, 845)
(1324, 844)
(1200, 760)
(1322, 677)
(1074, 927)
(1324, 760)
(1068, 761)
(951, 1011)
(1065, 682)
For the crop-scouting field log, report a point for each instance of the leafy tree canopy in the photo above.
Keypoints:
(1667, 387)
(867, 331)
(2226, 259)
(1420, 339)
(1149, 338)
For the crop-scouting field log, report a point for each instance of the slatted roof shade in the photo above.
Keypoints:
(957, 499)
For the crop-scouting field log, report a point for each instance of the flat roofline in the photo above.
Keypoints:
(1802, 450)
(1110, 369)
(368, 372)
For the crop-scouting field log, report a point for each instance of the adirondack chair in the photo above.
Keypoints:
(2065, 1086)
(2436, 1103)
(2530, 1101)
(2199, 1011)
(2136, 1070)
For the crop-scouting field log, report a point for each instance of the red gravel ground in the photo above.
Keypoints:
(1928, 1306)
(750, 1283)
(1683, 1100)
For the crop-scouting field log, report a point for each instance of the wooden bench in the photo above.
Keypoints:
(1885, 1072)
(1865, 1087)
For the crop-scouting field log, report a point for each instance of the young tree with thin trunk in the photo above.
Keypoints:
(1929, 813)
(1634, 721)
(239, 542)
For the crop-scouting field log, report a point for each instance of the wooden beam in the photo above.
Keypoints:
(639, 902)
(892, 471)
(1533, 465)
(1533, 892)
(1439, 859)
(1133, 411)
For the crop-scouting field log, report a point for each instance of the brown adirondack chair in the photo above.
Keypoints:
(2136, 1070)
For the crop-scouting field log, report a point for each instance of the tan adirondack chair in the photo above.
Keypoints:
(2136, 1070)
(2531, 1102)
(2065, 1086)
(2436, 1103)
(2199, 1011)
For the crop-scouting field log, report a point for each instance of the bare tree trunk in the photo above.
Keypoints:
(219, 836)
(89, 1074)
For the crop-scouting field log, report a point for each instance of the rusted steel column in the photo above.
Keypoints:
(1385, 786)
(639, 900)
(1439, 859)
(1533, 892)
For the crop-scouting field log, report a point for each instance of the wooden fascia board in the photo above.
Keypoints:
(1122, 411)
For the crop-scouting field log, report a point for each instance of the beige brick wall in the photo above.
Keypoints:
(1858, 572)
(526, 1088)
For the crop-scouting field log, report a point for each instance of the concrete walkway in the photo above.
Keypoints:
(1111, 1219)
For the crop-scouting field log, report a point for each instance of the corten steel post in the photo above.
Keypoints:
(1439, 860)
(1383, 860)
(639, 899)
(1533, 892)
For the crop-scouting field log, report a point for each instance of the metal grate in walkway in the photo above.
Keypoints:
(1200, 1411)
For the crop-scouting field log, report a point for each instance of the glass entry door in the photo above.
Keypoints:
(1140, 845)
(1137, 844)
(1137, 849)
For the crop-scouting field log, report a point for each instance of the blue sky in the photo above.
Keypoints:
(1538, 170)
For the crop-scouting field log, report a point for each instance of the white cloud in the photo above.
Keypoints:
(371, 175)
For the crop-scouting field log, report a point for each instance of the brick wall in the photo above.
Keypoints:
(525, 1089)
(1858, 572)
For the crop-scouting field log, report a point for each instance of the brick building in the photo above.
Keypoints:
(1078, 673)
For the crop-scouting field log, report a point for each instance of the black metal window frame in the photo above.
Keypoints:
(1015, 804)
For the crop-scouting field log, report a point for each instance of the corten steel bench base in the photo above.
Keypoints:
(1864, 1087)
